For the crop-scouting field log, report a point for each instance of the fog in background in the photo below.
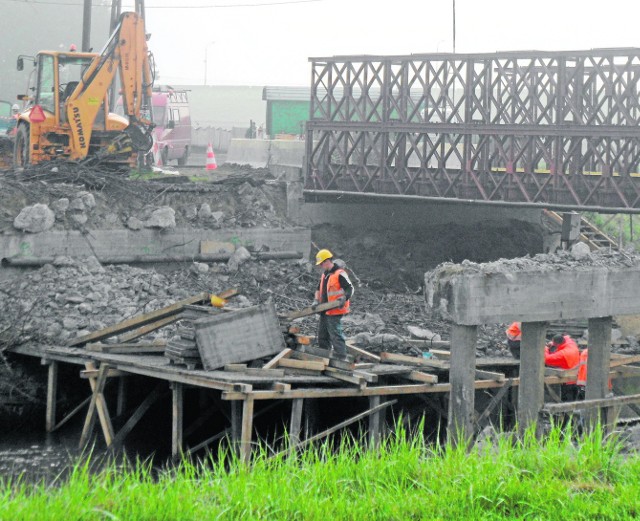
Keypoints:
(253, 42)
(29, 27)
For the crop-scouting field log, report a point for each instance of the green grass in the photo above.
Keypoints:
(145, 176)
(404, 479)
(620, 225)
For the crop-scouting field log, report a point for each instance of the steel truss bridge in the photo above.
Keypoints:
(558, 130)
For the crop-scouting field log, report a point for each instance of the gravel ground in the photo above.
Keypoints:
(72, 297)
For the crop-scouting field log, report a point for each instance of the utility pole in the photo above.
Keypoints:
(86, 26)
(454, 26)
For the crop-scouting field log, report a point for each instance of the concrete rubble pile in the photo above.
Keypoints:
(32, 205)
(72, 297)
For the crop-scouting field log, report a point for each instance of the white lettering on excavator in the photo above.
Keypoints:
(78, 123)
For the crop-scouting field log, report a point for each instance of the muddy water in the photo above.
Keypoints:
(36, 455)
(28, 452)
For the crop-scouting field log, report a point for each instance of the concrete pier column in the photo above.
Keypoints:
(462, 378)
(531, 392)
(598, 370)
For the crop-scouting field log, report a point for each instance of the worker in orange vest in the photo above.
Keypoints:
(563, 353)
(514, 336)
(334, 286)
(581, 382)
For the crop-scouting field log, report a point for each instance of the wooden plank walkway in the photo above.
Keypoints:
(246, 386)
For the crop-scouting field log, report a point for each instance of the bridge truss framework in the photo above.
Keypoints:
(552, 129)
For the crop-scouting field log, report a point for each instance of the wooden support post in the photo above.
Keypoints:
(227, 431)
(236, 421)
(121, 404)
(71, 414)
(531, 392)
(598, 371)
(52, 395)
(93, 405)
(177, 418)
(295, 425)
(375, 421)
(462, 377)
(101, 406)
(483, 419)
(341, 425)
(137, 415)
(247, 429)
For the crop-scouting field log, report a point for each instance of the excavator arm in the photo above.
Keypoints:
(125, 54)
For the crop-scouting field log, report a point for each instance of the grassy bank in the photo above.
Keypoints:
(554, 479)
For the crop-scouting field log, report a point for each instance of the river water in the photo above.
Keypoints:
(28, 452)
(36, 455)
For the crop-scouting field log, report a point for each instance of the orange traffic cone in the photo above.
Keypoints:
(211, 158)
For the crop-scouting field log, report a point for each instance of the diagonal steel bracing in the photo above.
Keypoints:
(549, 129)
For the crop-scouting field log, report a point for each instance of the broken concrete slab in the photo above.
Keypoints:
(474, 294)
(163, 218)
(35, 219)
(239, 336)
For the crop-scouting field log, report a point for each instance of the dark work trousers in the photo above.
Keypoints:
(569, 392)
(330, 334)
(514, 347)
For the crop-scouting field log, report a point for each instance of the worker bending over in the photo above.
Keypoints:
(334, 286)
(563, 353)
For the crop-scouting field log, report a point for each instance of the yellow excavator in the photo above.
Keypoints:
(68, 117)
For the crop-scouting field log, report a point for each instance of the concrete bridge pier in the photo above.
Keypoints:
(472, 297)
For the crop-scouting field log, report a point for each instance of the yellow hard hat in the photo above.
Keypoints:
(322, 256)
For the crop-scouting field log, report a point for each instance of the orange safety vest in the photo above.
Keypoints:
(582, 368)
(334, 292)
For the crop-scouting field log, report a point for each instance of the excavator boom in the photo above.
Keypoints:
(125, 53)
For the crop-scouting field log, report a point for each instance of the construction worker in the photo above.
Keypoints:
(334, 286)
(582, 374)
(563, 353)
(13, 123)
(514, 336)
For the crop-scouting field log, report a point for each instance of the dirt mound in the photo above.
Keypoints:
(397, 260)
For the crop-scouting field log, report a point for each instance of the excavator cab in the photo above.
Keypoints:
(46, 119)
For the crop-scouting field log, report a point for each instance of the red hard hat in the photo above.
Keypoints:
(73, 47)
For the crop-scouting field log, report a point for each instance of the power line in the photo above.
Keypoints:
(215, 6)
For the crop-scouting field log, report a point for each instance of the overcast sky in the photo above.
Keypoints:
(268, 42)
(251, 44)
